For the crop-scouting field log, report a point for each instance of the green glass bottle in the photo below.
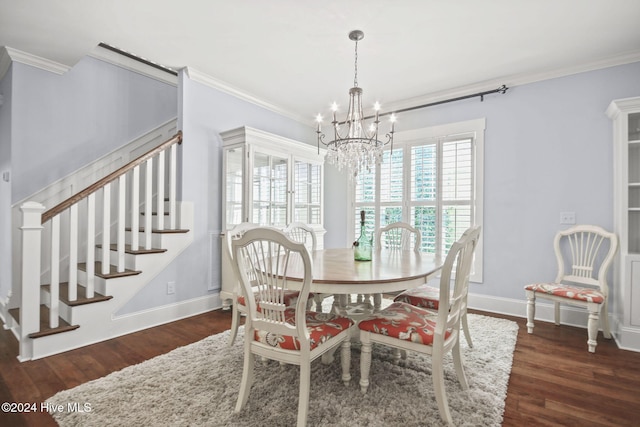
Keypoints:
(362, 247)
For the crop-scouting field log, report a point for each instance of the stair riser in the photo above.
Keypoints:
(129, 259)
(156, 239)
(154, 220)
(64, 311)
(99, 284)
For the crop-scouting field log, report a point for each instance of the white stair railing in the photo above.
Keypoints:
(82, 233)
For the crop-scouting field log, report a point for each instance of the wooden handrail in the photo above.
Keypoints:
(66, 204)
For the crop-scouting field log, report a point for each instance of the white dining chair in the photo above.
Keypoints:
(275, 331)
(238, 304)
(397, 235)
(427, 296)
(303, 233)
(584, 254)
(409, 328)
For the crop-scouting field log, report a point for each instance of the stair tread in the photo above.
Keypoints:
(45, 330)
(165, 231)
(113, 270)
(81, 297)
(139, 251)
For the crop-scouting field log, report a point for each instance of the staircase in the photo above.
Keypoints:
(83, 259)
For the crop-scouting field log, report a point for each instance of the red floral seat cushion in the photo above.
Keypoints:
(570, 292)
(321, 326)
(403, 321)
(290, 298)
(423, 296)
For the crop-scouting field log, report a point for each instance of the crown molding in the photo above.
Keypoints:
(10, 54)
(131, 64)
(214, 83)
(516, 80)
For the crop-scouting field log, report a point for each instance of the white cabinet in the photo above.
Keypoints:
(625, 114)
(268, 180)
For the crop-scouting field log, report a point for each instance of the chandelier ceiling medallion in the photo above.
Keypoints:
(356, 147)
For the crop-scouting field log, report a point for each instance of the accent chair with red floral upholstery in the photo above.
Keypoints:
(584, 254)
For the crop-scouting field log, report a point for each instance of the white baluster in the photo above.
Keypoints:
(148, 209)
(106, 227)
(122, 197)
(160, 191)
(30, 292)
(91, 244)
(54, 287)
(73, 253)
(172, 186)
(135, 208)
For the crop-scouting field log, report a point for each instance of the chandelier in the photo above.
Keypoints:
(356, 147)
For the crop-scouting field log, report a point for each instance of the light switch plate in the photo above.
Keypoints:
(567, 217)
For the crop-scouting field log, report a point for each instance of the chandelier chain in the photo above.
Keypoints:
(355, 74)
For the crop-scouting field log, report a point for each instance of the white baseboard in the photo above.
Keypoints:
(625, 338)
(130, 323)
(572, 316)
(157, 316)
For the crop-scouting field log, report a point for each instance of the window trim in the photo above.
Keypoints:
(474, 128)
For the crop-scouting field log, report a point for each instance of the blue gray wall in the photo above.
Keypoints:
(548, 149)
(62, 122)
(5, 186)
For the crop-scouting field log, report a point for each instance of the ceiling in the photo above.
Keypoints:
(296, 55)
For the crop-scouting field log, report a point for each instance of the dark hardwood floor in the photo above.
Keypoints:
(554, 379)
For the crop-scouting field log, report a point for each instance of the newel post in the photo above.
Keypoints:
(31, 230)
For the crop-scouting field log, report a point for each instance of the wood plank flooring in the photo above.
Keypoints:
(554, 379)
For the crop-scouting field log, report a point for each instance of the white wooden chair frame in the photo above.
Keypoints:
(464, 321)
(300, 232)
(399, 238)
(450, 311)
(254, 253)
(236, 309)
(585, 247)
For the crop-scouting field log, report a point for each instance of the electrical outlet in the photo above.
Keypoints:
(171, 288)
(567, 217)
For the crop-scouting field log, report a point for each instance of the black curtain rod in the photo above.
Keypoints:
(137, 58)
(502, 89)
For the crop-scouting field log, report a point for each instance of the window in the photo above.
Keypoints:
(433, 181)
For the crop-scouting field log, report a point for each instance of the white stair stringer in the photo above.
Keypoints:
(98, 321)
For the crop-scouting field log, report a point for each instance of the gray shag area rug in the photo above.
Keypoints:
(197, 385)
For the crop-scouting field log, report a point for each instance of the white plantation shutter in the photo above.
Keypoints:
(424, 190)
(457, 189)
(391, 187)
(433, 182)
(306, 192)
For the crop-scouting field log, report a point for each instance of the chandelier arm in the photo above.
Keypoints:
(320, 139)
